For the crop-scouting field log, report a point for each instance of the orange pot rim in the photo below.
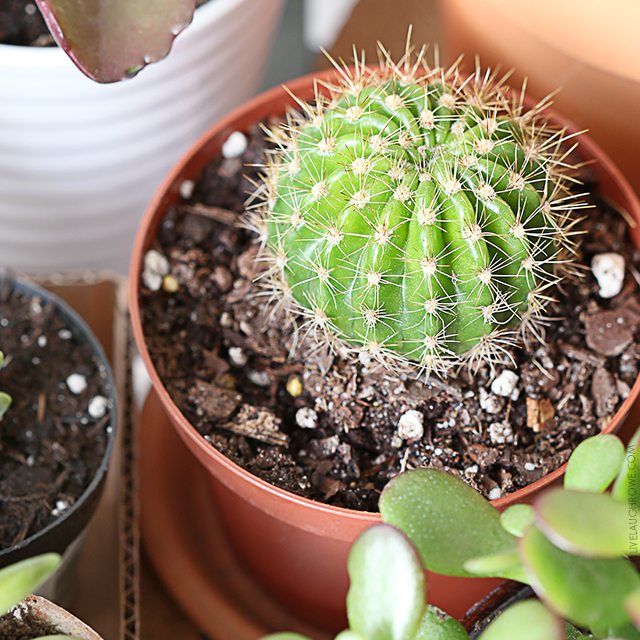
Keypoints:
(280, 97)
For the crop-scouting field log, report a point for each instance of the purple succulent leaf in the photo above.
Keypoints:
(110, 40)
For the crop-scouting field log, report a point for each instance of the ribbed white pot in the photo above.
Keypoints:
(79, 161)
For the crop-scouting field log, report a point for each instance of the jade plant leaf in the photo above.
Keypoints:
(594, 464)
(18, 580)
(586, 591)
(517, 519)
(528, 620)
(347, 634)
(505, 565)
(589, 524)
(286, 635)
(625, 487)
(437, 625)
(110, 40)
(445, 518)
(572, 633)
(387, 594)
(5, 403)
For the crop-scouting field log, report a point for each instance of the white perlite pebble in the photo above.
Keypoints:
(500, 432)
(186, 189)
(489, 402)
(237, 356)
(608, 270)
(505, 384)
(495, 493)
(42, 341)
(411, 425)
(529, 466)
(306, 418)
(98, 406)
(235, 145)
(76, 383)
(61, 505)
(156, 266)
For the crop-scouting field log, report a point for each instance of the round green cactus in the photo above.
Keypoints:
(418, 214)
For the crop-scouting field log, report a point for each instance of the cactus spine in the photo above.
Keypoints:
(417, 213)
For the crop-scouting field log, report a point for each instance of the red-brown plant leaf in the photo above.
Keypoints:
(110, 40)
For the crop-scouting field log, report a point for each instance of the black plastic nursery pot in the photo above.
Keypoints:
(64, 532)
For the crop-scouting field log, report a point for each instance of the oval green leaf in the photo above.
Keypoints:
(588, 592)
(286, 635)
(589, 524)
(625, 488)
(5, 403)
(528, 620)
(517, 519)
(505, 565)
(19, 580)
(594, 464)
(445, 518)
(387, 595)
(437, 625)
(347, 634)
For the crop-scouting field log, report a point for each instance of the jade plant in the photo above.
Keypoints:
(20, 579)
(113, 39)
(418, 214)
(571, 546)
(5, 398)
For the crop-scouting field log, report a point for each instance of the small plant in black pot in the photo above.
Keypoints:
(572, 546)
(58, 424)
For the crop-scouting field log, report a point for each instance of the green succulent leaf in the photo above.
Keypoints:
(625, 488)
(586, 591)
(110, 40)
(19, 580)
(528, 620)
(594, 464)
(504, 565)
(445, 518)
(347, 634)
(388, 591)
(5, 403)
(589, 524)
(517, 519)
(437, 625)
(573, 634)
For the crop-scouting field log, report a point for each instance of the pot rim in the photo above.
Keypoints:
(80, 328)
(58, 616)
(281, 98)
(26, 56)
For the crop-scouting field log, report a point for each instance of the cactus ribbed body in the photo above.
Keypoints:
(415, 216)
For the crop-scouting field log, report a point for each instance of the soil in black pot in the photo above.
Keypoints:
(327, 428)
(21, 624)
(54, 436)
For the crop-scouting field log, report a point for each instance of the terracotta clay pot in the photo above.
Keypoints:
(298, 547)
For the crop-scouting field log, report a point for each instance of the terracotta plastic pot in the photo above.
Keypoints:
(588, 49)
(295, 546)
(64, 535)
(62, 620)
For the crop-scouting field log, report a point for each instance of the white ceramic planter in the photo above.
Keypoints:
(79, 161)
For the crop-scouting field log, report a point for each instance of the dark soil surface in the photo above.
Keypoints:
(224, 359)
(21, 23)
(54, 435)
(21, 624)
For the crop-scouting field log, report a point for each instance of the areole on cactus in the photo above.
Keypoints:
(418, 213)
